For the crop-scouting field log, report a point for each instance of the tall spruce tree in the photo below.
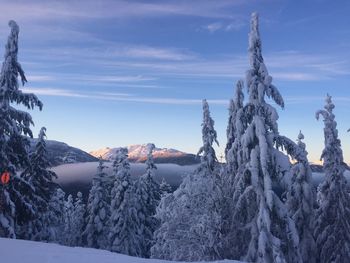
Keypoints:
(190, 217)
(235, 131)
(332, 226)
(209, 136)
(96, 231)
(148, 197)
(14, 125)
(263, 230)
(124, 233)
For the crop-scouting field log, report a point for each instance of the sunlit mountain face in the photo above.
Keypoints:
(138, 153)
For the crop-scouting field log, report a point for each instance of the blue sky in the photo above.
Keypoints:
(114, 73)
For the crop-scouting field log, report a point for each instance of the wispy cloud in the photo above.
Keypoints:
(41, 78)
(298, 76)
(214, 27)
(134, 98)
(226, 25)
(145, 66)
(93, 79)
(55, 92)
(155, 53)
(43, 10)
(119, 97)
(111, 50)
(313, 99)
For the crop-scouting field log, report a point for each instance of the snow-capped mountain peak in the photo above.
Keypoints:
(138, 153)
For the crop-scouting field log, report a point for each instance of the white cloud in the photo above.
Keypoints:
(214, 27)
(226, 25)
(155, 53)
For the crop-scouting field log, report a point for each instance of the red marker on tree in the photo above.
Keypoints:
(5, 177)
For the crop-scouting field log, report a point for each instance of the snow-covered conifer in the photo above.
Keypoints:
(68, 221)
(230, 127)
(148, 197)
(96, 231)
(78, 220)
(190, 228)
(235, 129)
(53, 231)
(235, 105)
(124, 236)
(190, 218)
(332, 226)
(209, 136)
(263, 230)
(300, 202)
(38, 175)
(14, 124)
(164, 188)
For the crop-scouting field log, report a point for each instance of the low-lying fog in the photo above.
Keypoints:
(78, 176)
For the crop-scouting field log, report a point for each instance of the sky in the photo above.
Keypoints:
(115, 73)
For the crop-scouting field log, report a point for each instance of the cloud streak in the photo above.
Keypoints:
(88, 9)
(132, 98)
(119, 97)
(227, 26)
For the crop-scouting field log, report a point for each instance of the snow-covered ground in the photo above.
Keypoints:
(20, 251)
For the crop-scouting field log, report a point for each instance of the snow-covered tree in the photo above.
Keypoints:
(38, 175)
(96, 231)
(124, 235)
(236, 104)
(263, 230)
(78, 220)
(300, 202)
(148, 197)
(332, 226)
(164, 188)
(209, 136)
(68, 221)
(54, 229)
(190, 217)
(14, 125)
(230, 126)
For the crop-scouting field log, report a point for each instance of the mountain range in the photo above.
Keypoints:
(61, 153)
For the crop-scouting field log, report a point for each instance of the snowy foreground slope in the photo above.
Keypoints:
(21, 251)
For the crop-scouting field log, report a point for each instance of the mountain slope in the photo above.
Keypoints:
(60, 153)
(138, 154)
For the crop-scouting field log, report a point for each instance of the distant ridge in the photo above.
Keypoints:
(61, 153)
